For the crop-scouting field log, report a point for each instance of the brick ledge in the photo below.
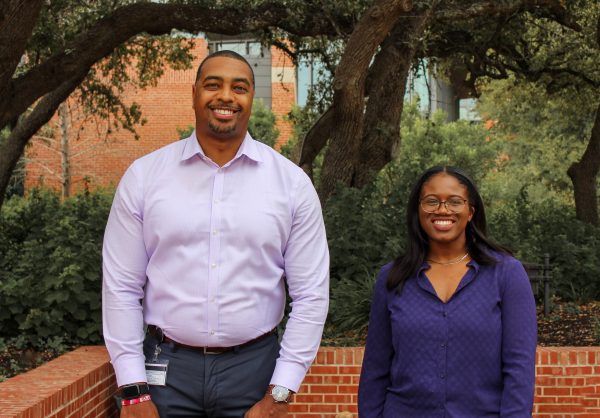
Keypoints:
(80, 384)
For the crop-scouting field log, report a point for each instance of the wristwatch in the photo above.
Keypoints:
(134, 390)
(280, 394)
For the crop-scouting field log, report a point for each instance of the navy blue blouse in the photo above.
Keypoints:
(473, 356)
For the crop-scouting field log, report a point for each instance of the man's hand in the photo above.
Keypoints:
(140, 410)
(267, 407)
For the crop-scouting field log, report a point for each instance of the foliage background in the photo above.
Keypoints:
(50, 251)
(520, 168)
(50, 266)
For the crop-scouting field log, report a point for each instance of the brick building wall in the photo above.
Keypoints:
(283, 79)
(101, 153)
(80, 384)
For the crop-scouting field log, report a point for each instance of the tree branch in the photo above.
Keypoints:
(386, 90)
(316, 138)
(44, 138)
(349, 92)
(12, 148)
(99, 41)
(46, 168)
(17, 19)
(548, 8)
(42, 143)
(82, 151)
(583, 174)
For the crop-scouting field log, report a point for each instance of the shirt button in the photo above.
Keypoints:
(215, 232)
(445, 314)
(213, 265)
(212, 332)
(212, 300)
(443, 345)
(442, 375)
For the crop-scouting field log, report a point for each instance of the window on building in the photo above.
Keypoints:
(418, 87)
(307, 75)
(244, 48)
(468, 111)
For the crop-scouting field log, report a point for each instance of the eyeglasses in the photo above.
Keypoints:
(454, 204)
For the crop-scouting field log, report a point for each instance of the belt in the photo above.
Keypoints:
(158, 333)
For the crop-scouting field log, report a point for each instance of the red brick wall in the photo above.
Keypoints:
(102, 153)
(568, 382)
(330, 387)
(80, 384)
(104, 159)
(283, 93)
(77, 384)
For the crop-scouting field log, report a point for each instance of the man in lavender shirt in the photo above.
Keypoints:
(202, 237)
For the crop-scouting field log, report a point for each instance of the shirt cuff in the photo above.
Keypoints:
(288, 375)
(130, 370)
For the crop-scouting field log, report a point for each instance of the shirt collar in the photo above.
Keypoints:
(191, 147)
(426, 285)
(249, 148)
(473, 264)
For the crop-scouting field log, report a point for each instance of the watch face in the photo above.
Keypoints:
(280, 394)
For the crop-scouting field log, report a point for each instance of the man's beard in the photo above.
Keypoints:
(220, 129)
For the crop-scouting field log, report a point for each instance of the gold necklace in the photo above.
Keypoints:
(446, 263)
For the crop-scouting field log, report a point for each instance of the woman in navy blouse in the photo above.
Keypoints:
(452, 331)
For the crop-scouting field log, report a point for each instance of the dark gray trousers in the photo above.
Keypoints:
(212, 386)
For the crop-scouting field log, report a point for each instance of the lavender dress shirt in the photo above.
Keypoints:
(205, 248)
(472, 357)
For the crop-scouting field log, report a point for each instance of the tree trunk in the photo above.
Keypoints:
(315, 141)
(48, 81)
(386, 97)
(17, 19)
(65, 159)
(583, 175)
(19, 93)
(12, 148)
(386, 81)
(349, 92)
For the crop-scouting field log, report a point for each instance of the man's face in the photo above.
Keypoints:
(222, 98)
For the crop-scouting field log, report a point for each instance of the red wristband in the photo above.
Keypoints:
(127, 402)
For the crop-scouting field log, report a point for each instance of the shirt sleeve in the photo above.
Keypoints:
(124, 276)
(519, 338)
(306, 259)
(379, 351)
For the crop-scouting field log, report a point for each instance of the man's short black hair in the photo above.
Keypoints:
(228, 54)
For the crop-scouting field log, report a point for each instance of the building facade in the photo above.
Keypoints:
(78, 151)
(92, 152)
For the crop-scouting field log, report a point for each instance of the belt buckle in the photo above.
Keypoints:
(208, 352)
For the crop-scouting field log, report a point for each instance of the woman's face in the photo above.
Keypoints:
(443, 225)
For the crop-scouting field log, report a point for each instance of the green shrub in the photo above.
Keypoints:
(533, 229)
(50, 266)
(262, 124)
(17, 356)
(366, 228)
(351, 303)
(363, 232)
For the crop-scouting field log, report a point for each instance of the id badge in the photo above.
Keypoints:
(156, 372)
